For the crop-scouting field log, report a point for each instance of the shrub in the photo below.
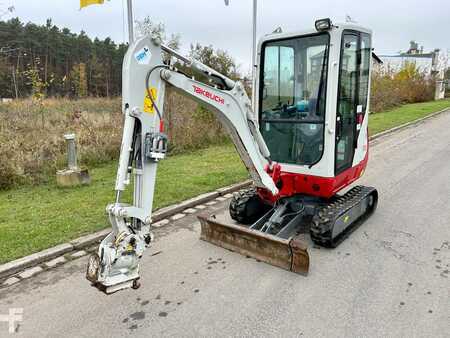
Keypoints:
(391, 89)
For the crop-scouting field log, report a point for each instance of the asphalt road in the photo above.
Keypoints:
(389, 279)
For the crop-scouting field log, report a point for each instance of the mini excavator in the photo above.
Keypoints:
(304, 142)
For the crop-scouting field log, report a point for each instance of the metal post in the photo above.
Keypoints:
(130, 21)
(255, 18)
(71, 152)
(15, 82)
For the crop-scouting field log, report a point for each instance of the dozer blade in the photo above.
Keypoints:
(289, 254)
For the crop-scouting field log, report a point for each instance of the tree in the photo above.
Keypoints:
(6, 80)
(218, 59)
(157, 30)
(79, 79)
(35, 80)
(59, 52)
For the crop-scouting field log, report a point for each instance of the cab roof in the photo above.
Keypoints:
(336, 28)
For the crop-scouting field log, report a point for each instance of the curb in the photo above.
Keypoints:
(174, 209)
(408, 124)
(13, 267)
(34, 259)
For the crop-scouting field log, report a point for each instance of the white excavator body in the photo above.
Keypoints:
(305, 97)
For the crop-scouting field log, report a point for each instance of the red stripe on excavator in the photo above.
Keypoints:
(326, 187)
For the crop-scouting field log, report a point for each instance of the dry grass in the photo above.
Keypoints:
(31, 133)
(189, 125)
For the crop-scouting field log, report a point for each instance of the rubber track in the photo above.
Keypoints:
(323, 222)
(238, 205)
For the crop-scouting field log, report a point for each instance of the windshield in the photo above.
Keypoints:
(293, 96)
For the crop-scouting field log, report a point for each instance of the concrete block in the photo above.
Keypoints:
(190, 211)
(228, 195)
(177, 217)
(234, 187)
(201, 207)
(211, 203)
(30, 272)
(89, 240)
(78, 254)
(160, 223)
(22, 263)
(55, 261)
(11, 281)
(177, 208)
(72, 178)
(221, 199)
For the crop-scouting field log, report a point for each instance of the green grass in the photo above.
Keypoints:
(36, 218)
(383, 121)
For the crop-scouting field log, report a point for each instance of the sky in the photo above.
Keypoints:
(394, 22)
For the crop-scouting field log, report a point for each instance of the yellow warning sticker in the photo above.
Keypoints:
(148, 104)
(346, 218)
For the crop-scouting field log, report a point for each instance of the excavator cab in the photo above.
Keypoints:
(313, 103)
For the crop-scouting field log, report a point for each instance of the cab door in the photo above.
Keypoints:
(347, 107)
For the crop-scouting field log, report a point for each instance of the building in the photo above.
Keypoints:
(433, 64)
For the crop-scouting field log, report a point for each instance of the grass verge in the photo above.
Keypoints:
(409, 112)
(36, 218)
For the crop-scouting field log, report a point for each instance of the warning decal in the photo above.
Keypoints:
(148, 104)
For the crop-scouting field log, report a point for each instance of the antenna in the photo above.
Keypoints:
(349, 19)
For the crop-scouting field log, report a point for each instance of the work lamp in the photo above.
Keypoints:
(323, 24)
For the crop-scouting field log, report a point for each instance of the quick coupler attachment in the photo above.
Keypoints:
(115, 266)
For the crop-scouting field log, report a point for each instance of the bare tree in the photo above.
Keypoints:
(157, 30)
(6, 11)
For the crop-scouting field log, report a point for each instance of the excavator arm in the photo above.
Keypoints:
(116, 264)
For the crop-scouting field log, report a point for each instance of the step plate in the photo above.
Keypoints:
(289, 254)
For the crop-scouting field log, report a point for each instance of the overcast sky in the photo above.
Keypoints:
(394, 22)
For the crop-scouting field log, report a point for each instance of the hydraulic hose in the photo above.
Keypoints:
(149, 93)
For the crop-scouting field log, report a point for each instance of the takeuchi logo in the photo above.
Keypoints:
(209, 95)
